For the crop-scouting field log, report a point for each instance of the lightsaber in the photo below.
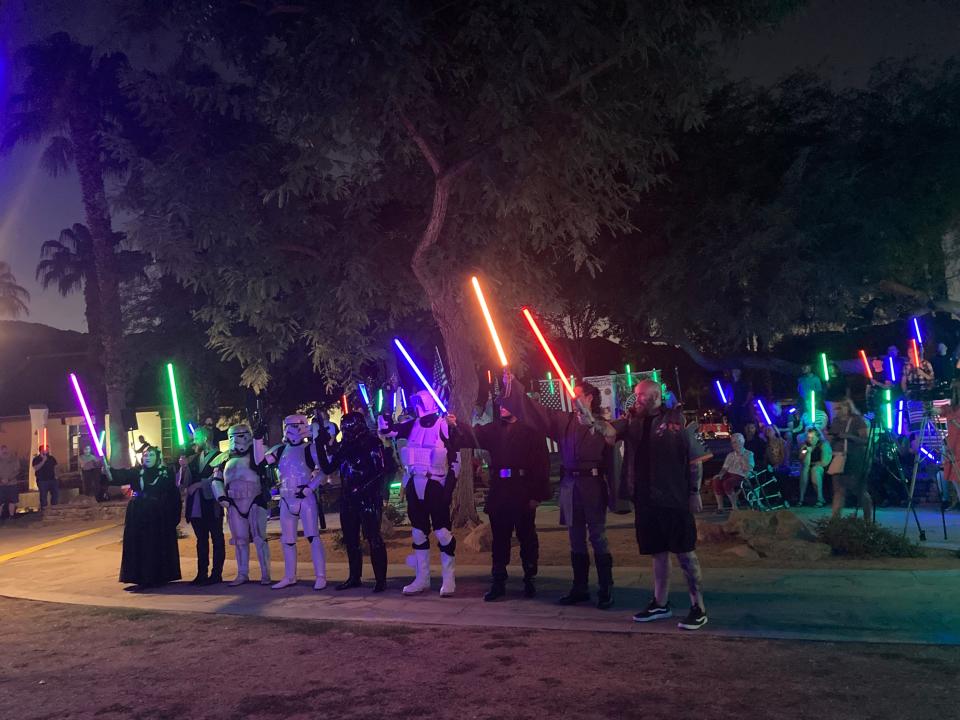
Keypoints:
(191, 429)
(888, 408)
(766, 415)
(900, 417)
(403, 398)
(45, 440)
(866, 365)
(893, 372)
(423, 380)
(826, 368)
(86, 415)
(363, 392)
(916, 330)
(813, 407)
(915, 352)
(546, 348)
(550, 380)
(343, 401)
(103, 438)
(380, 400)
(629, 375)
(489, 319)
(181, 441)
(928, 454)
(723, 395)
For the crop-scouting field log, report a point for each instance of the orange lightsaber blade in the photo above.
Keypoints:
(916, 353)
(866, 365)
(546, 348)
(489, 319)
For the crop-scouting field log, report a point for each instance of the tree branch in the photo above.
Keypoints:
(302, 250)
(425, 149)
(587, 76)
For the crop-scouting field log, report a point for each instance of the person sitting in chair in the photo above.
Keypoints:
(737, 465)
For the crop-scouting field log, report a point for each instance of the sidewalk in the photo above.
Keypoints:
(865, 606)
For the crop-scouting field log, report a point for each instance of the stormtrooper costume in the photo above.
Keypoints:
(428, 483)
(297, 464)
(237, 487)
(360, 461)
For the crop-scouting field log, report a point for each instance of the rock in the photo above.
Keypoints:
(708, 532)
(801, 550)
(747, 524)
(788, 525)
(80, 500)
(480, 539)
(743, 551)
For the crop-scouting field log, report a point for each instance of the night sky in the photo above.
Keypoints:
(842, 38)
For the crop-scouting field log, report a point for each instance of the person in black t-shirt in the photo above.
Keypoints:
(45, 467)
(754, 443)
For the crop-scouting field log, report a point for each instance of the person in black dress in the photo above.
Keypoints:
(151, 556)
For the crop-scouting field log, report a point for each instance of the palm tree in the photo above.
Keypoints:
(13, 297)
(69, 263)
(71, 100)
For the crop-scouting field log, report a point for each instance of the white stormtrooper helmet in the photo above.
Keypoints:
(296, 429)
(240, 438)
(423, 403)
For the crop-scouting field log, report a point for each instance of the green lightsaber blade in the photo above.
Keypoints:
(826, 369)
(181, 440)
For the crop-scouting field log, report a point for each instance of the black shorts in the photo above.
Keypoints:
(661, 529)
(9, 494)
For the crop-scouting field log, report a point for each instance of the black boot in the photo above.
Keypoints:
(201, 578)
(529, 573)
(378, 558)
(605, 580)
(580, 591)
(498, 585)
(355, 560)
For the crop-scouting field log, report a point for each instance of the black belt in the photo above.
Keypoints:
(590, 472)
(510, 472)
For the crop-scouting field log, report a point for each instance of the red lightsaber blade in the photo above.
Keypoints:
(546, 348)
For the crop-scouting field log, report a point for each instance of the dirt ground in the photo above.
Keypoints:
(555, 550)
(61, 661)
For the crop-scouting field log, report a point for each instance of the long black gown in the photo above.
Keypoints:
(151, 555)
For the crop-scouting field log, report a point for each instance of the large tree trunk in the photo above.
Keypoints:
(97, 213)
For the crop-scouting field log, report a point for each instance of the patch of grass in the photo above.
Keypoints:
(855, 537)
(124, 613)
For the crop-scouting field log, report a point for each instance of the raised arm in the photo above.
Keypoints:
(544, 420)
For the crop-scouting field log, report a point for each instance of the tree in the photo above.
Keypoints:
(13, 297)
(69, 263)
(72, 100)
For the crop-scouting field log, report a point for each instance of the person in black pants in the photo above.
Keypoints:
(360, 462)
(201, 509)
(45, 468)
(519, 481)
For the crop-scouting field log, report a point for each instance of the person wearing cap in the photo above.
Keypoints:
(586, 483)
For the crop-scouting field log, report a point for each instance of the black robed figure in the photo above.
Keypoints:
(151, 556)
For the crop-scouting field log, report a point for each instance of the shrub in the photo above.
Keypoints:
(856, 537)
(394, 514)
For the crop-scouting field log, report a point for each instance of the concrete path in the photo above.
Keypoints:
(868, 606)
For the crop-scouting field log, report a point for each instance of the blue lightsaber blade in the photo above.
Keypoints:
(723, 395)
(764, 411)
(416, 370)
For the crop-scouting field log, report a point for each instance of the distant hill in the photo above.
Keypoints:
(35, 362)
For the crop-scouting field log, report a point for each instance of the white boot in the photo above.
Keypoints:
(289, 567)
(243, 565)
(448, 564)
(319, 563)
(419, 561)
(263, 558)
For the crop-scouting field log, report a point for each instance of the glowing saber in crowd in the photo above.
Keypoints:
(403, 398)
(416, 370)
(826, 368)
(766, 416)
(893, 372)
(723, 395)
(629, 375)
(489, 319)
(181, 441)
(813, 407)
(363, 392)
(888, 408)
(343, 401)
(916, 330)
(900, 417)
(866, 365)
(550, 380)
(103, 438)
(916, 353)
(86, 415)
(380, 400)
(546, 348)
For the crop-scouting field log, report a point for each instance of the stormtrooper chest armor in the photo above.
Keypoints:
(425, 456)
(240, 480)
(292, 469)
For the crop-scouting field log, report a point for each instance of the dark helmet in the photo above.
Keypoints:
(353, 426)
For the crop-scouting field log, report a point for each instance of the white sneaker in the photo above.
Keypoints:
(284, 583)
(320, 584)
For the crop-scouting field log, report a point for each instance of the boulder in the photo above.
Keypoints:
(480, 539)
(81, 500)
(788, 525)
(708, 532)
(747, 524)
(743, 551)
(798, 550)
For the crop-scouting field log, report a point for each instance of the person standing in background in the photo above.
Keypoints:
(90, 473)
(9, 483)
(45, 467)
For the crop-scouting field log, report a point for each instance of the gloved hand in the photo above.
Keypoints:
(260, 431)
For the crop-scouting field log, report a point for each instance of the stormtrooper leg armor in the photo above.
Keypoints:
(420, 562)
(448, 544)
(240, 539)
(258, 526)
